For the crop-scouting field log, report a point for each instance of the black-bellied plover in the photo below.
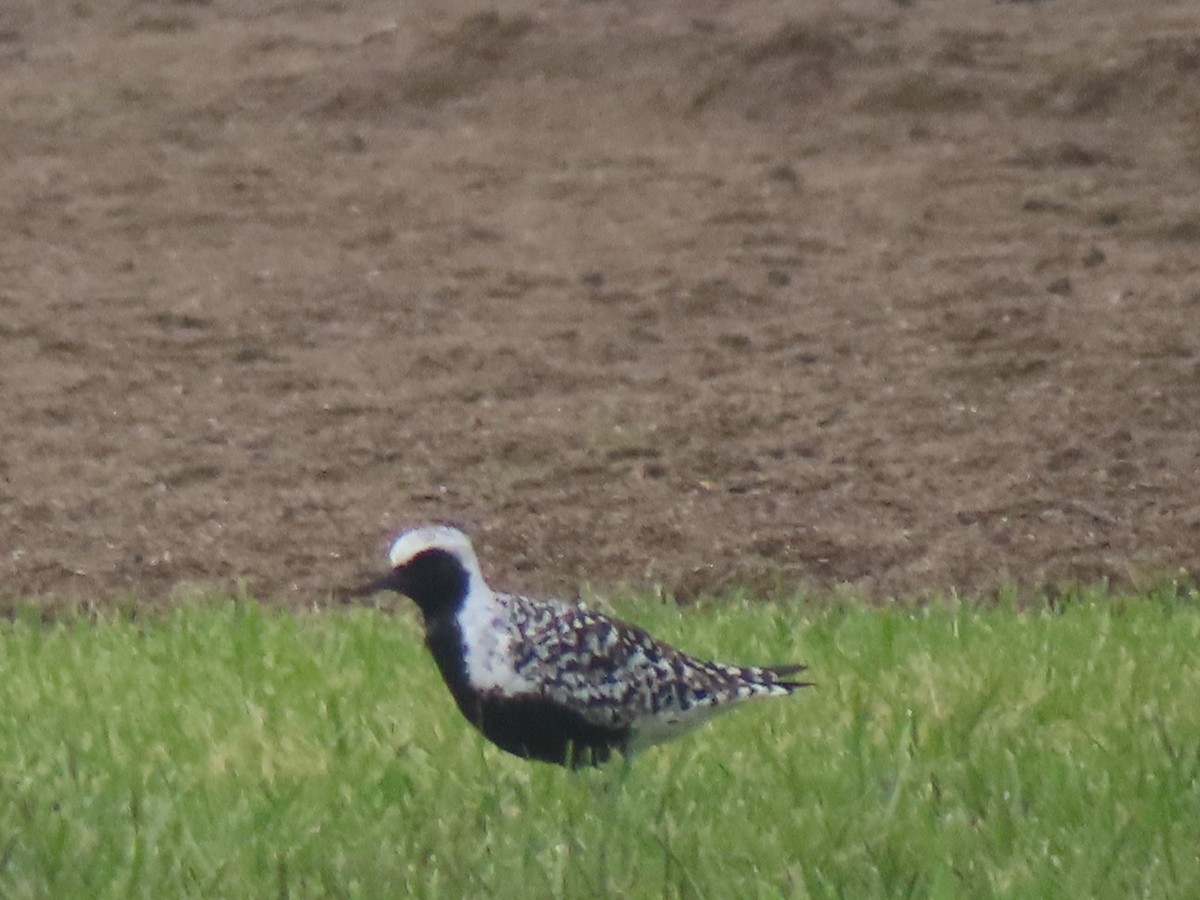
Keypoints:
(554, 681)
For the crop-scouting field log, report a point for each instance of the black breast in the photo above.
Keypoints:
(535, 728)
(526, 726)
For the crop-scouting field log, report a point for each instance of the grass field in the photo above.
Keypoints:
(223, 750)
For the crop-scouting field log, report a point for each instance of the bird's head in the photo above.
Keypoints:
(435, 565)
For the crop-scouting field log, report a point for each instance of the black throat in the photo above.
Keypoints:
(437, 583)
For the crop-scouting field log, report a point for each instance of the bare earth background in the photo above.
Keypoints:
(686, 293)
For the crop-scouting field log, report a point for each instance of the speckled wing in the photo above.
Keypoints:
(615, 674)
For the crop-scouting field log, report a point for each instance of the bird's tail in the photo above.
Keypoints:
(780, 676)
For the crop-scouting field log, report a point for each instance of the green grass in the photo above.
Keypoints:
(955, 750)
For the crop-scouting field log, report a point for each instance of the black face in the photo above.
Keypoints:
(434, 579)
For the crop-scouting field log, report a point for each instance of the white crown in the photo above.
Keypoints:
(434, 537)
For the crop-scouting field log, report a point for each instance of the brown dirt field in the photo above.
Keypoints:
(898, 297)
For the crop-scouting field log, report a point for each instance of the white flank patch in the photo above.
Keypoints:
(668, 724)
(647, 731)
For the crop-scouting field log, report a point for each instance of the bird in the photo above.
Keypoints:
(551, 680)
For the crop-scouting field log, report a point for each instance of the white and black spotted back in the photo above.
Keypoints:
(615, 674)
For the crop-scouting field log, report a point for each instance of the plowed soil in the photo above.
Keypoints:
(899, 297)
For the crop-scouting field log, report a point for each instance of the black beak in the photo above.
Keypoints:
(388, 582)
